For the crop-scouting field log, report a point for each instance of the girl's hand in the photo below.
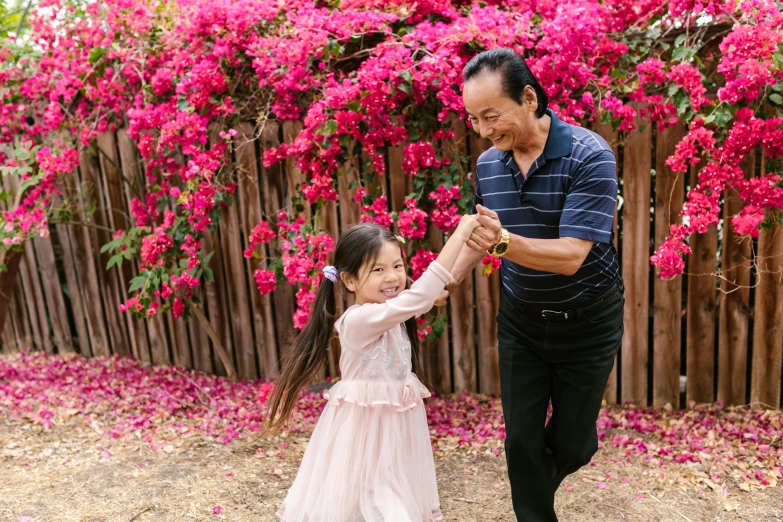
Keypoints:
(467, 224)
(441, 300)
(485, 237)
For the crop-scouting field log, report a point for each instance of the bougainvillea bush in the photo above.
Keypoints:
(362, 76)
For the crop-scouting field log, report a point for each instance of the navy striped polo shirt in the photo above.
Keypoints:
(570, 191)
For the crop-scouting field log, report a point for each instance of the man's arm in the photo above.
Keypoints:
(466, 262)
(559, 256)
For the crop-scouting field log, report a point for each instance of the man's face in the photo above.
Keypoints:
(495, 116)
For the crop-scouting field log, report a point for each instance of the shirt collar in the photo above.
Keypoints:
(559, 141)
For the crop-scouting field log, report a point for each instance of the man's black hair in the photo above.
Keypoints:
(514, 73)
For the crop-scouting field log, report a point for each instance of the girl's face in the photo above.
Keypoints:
(381, 281)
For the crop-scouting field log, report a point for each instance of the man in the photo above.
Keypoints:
(545, 194)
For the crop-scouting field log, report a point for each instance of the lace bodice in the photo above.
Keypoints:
(375, 346)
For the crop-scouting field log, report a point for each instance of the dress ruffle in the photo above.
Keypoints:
(367, 463)
(400, 395)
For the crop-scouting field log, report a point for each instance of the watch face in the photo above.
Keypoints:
(501, 249)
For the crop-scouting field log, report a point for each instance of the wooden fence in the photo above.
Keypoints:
(719, 328)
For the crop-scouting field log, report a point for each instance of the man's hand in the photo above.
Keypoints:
(441, 300)
(484, 237)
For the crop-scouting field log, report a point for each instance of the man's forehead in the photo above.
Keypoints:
(485, 105)
(482, 94)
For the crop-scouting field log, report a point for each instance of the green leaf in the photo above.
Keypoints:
(137, 282)
(96, 53)
(208, 275)
(723, 115)
(404, 87)
(680, 39)
(439, 325)
(29, 182)
(115, 260)
(3, 267)
(183, 263)
(776, 99)
(207, 258)
(330, 128)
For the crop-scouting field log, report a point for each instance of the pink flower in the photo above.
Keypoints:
(446, 214)
(418, 155)
(261, 233)
(490, 264)
(266, 281)
(412, 221)
(420, 261)
(178, 308)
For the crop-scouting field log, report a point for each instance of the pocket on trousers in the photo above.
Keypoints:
(607, 311)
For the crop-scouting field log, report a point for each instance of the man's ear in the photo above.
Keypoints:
(529, 97)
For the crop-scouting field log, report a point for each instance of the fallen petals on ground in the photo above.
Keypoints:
(722, 448)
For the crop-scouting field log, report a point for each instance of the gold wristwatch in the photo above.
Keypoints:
(500, 248)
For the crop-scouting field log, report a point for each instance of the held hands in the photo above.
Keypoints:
(480, 232)
(488, 233)
(467, 224)
(441, 300)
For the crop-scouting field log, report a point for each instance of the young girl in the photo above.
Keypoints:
(369, 458)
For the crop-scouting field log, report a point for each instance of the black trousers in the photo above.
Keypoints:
(568, 363)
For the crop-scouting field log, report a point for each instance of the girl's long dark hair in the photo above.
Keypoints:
(358, 245)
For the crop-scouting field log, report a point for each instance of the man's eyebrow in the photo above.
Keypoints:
(482, 113)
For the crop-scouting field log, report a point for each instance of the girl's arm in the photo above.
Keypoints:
(367, 322)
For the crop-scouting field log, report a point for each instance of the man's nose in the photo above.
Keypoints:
(485, 131)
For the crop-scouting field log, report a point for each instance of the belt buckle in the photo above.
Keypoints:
(544, 314)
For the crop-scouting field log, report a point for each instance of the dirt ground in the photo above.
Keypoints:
(71, 473)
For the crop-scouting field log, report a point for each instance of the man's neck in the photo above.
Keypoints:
(535, 144)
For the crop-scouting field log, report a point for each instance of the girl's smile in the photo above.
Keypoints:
(385, 279)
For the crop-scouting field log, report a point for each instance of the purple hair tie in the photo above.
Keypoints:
(331, 273)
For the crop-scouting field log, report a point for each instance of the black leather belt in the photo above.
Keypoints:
(575, 313)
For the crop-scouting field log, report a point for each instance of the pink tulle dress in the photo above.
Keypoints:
(370, 458)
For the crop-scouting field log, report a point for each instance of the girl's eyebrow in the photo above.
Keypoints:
(398, 260)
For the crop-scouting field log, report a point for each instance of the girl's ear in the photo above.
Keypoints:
(348, 281)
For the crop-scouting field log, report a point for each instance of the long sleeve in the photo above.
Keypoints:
(361, 325)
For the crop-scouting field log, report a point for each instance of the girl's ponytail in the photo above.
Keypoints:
(304, 358)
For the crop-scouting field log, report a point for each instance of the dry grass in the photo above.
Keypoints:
(67, 474)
